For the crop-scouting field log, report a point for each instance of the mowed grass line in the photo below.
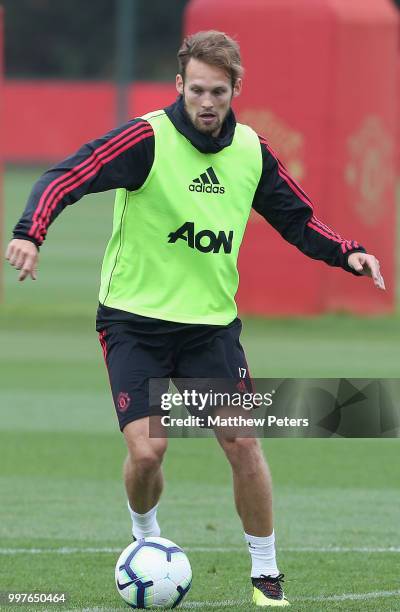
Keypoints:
(345, 509)
(222, 576)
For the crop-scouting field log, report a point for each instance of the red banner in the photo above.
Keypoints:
(47, 120)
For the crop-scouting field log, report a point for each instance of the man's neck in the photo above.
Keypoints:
(205, 143)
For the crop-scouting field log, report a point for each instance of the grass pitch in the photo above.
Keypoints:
(63, 513)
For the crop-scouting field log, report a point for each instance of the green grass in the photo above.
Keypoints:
(61, 452)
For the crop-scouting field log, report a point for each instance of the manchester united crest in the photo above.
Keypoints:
(123, 401)
(369, 171)
(282, 137)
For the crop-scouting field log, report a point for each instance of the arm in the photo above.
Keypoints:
(121, 158)
(282, 202)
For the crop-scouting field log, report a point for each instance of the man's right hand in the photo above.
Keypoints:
(23, 255)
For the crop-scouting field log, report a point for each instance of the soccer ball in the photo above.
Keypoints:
(153, 573)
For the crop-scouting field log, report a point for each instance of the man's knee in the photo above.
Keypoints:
(144, 453)
(145, 461)
(242, 452)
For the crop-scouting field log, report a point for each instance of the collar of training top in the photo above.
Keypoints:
(203, 142)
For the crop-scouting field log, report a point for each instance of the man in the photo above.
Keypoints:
(187, 177)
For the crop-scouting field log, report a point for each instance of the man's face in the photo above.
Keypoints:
(207, 92)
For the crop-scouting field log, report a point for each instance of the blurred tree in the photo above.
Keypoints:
(76, 40)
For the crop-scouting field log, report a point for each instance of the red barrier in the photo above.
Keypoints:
(320, 86)
(46, 120)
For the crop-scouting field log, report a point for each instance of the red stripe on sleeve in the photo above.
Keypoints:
(88, 172)
(325, 227)
(347, 246)
(53, 188)
(283, 173)
(314, 223)
(321, 231)
(66, 186)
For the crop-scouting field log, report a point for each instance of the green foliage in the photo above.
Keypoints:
(76, 40)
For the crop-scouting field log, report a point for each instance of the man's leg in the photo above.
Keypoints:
(252, 484)
(134, 355)
(215, 352)
(143, 477)
(252, 487)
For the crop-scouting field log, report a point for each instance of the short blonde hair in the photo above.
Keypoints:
(214, 48)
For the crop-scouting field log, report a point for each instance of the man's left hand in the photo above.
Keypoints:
(367, 265)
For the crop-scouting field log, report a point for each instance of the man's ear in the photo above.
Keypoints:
(179, 84)
(237, 88)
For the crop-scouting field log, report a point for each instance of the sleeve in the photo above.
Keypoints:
(121, 158)
(282, 202)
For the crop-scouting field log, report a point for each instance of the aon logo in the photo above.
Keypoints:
(205, 241)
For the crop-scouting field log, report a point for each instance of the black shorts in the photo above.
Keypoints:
(138, 348)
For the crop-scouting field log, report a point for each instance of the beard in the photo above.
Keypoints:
(209, 130)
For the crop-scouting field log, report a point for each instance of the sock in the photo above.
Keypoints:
(263, 559)
(144, 525)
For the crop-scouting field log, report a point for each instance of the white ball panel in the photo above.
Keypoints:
(151, 564)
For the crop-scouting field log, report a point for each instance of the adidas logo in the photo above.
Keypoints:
(207, 183)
